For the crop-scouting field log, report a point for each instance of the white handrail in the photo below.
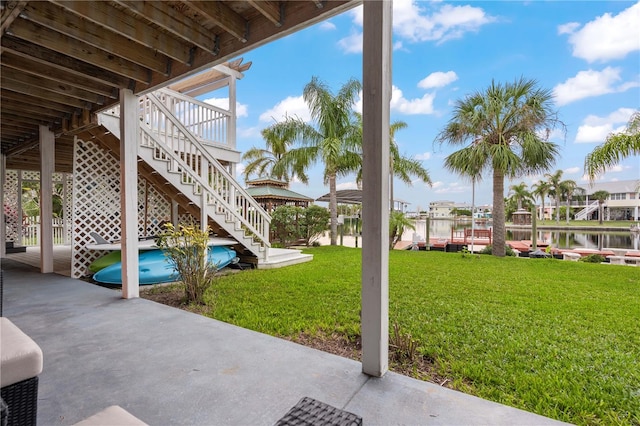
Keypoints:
(199, 167)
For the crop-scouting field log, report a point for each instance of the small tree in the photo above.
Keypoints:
(601, 196)
(398, 222)
(187, 249)
(315, 220)
(285, 224)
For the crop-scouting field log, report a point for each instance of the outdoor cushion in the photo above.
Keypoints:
(20, 357)
(114, 415)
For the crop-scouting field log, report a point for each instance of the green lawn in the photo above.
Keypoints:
(558, 338)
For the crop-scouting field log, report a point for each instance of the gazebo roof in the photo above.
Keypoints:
(268, 191)
(345, 196)
(268, 181)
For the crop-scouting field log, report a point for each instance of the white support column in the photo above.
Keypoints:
(47, 166)
(231, 129)
(204, 217)
(129, 192)
(174, 213)
(376, 97)
(3, 229)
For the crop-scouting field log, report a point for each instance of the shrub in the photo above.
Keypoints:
(592, 258)
(508, 250)
(314, 222)
(186, 248)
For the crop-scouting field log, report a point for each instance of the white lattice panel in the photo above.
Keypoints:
(11, 197)
(68, 205)
(30, 175)
(96, 203)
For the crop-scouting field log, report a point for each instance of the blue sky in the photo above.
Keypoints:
(587, 52)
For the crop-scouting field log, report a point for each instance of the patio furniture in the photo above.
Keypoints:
(113, 415)
(20, 363)
(308, 412)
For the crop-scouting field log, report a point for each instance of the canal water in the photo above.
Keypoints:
(560, 239)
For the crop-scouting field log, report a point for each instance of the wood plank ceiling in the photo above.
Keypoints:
(61, 61)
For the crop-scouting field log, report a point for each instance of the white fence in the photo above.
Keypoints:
(31, 231)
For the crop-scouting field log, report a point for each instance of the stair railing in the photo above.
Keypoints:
(174, 141)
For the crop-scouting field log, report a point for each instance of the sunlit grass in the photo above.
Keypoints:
(558, 338)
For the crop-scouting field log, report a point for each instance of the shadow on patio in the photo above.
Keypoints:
(167, 366)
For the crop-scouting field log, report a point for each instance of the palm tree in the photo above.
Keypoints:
(541, 189)
(520, 194)
(569, 188)
(502, 126)
(616, 147)
(601, 196)
(398, 222)
(334, 140)
(555, 190)
(399, 166)
(268, 162)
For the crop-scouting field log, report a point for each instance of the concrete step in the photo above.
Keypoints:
(279, 258)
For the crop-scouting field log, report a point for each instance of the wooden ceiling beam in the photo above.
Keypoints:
(9, 96)
(26, 65)
(223, 16)
(56, 60)
(299, 14)
(273, 11)
(55, 18)
(12, 119)
(115, 20)
(9, 130)
(37, 34)
(38, 92)
(163, 15)
(52, 85)
(10, 11)
(33, 108)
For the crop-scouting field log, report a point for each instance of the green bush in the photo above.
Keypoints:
(592, 258)
(508, 250)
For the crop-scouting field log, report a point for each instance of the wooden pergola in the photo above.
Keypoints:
(63, 61)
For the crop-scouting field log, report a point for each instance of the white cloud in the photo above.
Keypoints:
(437, 184)
(572, 170)
(249, 132)
(327, 26)
(346, 185)
(596, 129)
(424, 156)
(288, 107)
(437, 79)
(568, 28)
(441, 23)
(452, 188)
(241, 109)
(606, 37)
(590, 83)
(352, 43)
(412, 22)
(239, 169)
(423, 105)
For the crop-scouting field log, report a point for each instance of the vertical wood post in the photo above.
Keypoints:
(376, 97)
(47, 165)
(129, 128)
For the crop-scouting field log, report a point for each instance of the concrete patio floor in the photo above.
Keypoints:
(171, 367)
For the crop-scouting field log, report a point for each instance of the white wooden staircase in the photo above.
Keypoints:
(181, 139)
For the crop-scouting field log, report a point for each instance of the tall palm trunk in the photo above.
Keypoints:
(498, 214)
(333, 209)
(542, 212)
(600, 211)
(558, 208)
(568, 207)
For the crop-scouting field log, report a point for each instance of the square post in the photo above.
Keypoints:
(47, 162)
(129, 129)
(376, 98)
